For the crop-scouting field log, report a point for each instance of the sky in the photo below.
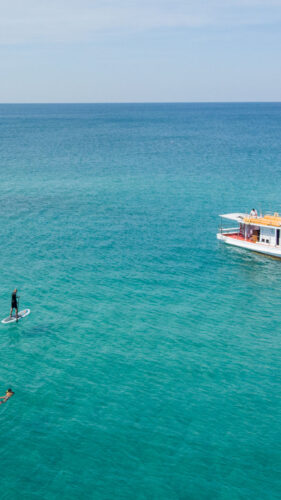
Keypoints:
(140, 50)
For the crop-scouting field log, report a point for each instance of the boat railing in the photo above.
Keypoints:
(229, 229)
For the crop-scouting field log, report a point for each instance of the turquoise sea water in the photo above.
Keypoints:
(149, 367)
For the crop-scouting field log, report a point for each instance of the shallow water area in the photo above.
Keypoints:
(149, 366)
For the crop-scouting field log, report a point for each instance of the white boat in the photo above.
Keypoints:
(257, 233)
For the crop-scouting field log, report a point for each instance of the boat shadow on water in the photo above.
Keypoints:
(257, 266)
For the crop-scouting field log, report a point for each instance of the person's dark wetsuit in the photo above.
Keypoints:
(14, 303)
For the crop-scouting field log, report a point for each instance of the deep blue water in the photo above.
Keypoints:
(149, 367)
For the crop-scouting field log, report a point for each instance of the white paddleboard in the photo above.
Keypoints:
(12, 319)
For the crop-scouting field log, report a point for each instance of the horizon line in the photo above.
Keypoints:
(138, 102)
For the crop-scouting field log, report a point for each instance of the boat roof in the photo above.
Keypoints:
(264, 221)
(238, 217)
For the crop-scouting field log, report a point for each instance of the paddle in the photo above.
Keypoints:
(18, 306)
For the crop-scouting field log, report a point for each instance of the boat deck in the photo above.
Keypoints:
(237, 236)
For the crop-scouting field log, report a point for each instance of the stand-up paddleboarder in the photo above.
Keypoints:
(14, 303)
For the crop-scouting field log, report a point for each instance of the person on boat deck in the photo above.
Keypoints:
(253, 213)
(14, 303)
(9, 394)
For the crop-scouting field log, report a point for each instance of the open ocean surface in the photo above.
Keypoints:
(150, 365)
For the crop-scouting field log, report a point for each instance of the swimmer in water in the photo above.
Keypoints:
(9, 394)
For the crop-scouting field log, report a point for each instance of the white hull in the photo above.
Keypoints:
(264, 248)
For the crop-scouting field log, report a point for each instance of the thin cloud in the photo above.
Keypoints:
(80, 21)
